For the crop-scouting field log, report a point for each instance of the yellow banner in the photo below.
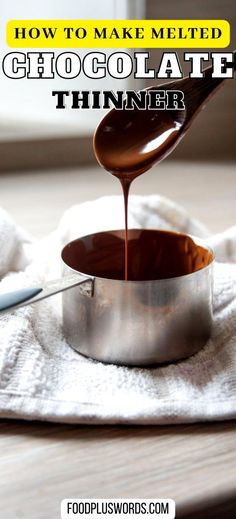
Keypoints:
(118, 34)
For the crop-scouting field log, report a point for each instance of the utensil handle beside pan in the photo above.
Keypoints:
(26, 296)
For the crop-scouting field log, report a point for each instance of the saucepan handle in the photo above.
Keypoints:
(27, 296)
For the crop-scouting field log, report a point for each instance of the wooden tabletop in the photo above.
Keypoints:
(41, 463)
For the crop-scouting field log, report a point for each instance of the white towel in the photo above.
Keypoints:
(41, 377)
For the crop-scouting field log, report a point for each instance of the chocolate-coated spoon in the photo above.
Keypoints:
(129, 142)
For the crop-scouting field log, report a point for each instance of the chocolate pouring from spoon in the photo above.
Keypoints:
(129, 142)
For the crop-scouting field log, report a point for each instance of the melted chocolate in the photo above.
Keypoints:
(128, 142)
(153, 255)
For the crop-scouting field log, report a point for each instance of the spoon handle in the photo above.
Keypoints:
(198, 90)
(26, 296)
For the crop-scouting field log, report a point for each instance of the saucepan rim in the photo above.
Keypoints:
(183, 277)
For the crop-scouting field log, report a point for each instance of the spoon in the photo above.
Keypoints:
(129, 142)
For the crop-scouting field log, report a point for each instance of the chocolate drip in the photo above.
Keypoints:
(127, 145)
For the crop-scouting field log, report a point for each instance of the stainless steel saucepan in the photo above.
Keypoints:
(137, 322)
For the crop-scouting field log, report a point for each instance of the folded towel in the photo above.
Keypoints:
(41, 377)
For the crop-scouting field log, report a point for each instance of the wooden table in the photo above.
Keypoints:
(40, 463)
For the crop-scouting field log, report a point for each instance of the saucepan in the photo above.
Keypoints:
(163, 313)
